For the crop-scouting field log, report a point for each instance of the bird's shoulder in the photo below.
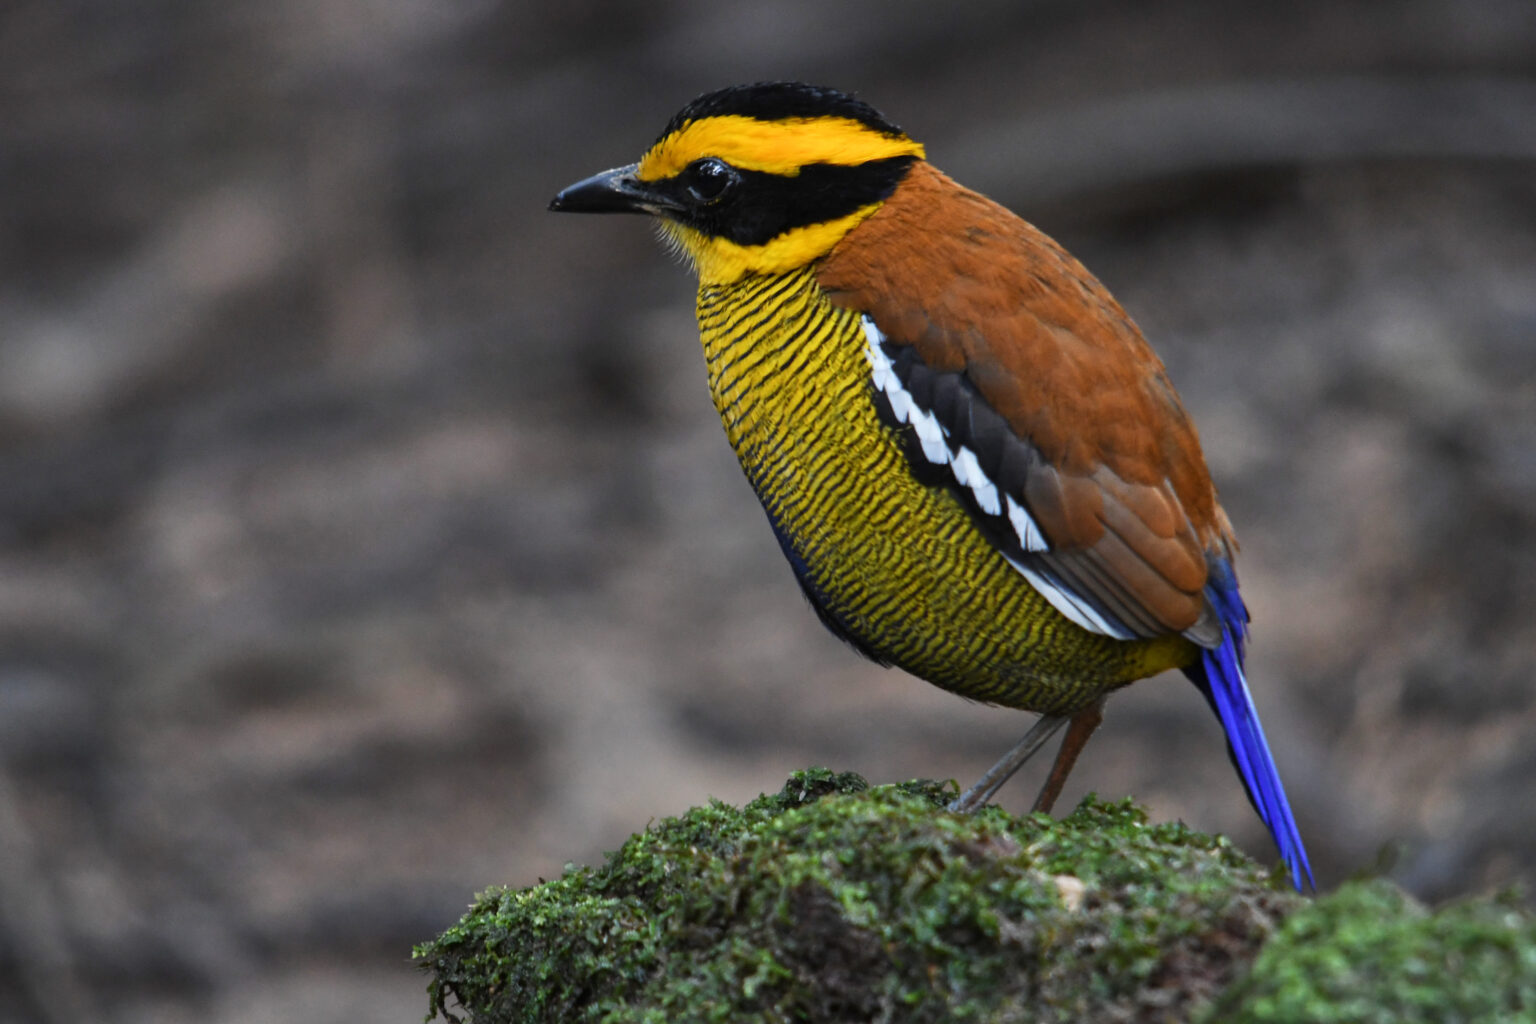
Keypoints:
(1097, 447)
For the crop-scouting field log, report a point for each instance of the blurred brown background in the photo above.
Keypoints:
(367, 537)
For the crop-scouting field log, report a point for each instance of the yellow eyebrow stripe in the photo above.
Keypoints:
(775, 147)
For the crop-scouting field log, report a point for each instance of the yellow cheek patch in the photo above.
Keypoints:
(776, 147)
(720, 261)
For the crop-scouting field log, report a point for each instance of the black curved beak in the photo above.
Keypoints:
(615, 191)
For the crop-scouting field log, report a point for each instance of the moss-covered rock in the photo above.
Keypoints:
(1368, 954)
(836, 901)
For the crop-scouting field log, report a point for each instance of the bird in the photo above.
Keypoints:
(975, 464)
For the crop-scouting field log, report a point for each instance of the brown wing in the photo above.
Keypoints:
(1094, 444)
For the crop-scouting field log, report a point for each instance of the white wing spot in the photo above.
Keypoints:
(963, 464)
(958, 467)
(969, 472)
(1070, 605)
(1030, 537)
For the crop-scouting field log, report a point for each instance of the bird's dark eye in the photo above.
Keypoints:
(709, 179)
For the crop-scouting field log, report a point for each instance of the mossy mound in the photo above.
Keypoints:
(1368, 954)
(837, 901)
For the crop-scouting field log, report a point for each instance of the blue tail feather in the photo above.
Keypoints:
(1219, 675)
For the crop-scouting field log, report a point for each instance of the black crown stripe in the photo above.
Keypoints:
(777, 101)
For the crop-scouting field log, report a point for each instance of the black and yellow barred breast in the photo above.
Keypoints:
(892, 563)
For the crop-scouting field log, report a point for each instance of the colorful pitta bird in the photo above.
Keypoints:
(973, 461)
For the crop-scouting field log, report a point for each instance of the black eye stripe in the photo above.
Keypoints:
(754, 206)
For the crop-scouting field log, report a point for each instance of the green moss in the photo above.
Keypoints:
(836, 901)
(833, 901)
(1367, 953)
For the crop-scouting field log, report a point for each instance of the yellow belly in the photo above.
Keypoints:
(897, 564)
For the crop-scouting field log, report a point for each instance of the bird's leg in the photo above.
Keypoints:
(1083, 724)
(977, 796)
